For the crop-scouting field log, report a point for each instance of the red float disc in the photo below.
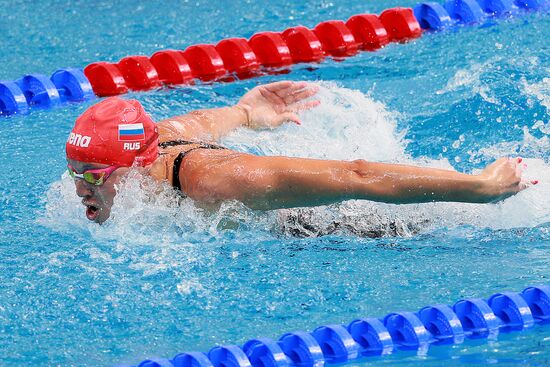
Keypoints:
(106, 79)
(303, 44)
(172, 67)
(336, 38)
(270, 49)
(368, 31)
(400, 23)
(139, 72)
(237, 55)
(205, 62)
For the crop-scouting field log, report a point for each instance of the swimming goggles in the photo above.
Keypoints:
(95, 177)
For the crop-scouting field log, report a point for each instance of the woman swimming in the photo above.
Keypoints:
(116, 134)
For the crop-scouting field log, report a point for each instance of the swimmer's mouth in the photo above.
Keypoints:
(92, 211)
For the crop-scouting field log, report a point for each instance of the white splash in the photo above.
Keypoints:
(540, 91)
(471, 79)
(347, 125)
(529, 146)
(144, 211)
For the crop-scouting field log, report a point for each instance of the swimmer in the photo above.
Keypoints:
(115, 134)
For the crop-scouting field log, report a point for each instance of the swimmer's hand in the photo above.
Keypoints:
(502, 179)
(270, 105)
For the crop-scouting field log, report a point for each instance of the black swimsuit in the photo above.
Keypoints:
(179, 158)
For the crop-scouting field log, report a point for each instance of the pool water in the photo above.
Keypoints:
(163, 277)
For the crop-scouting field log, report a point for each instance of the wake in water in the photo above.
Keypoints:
(347, 125)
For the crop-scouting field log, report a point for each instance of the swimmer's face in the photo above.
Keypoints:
(98, 200)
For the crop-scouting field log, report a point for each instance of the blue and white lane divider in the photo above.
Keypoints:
(434, 324)
(432, 15)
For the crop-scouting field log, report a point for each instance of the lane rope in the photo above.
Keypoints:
(237, 58)
(436, 324)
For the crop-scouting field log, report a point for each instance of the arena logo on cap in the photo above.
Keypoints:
(79, 140)
(131, 132)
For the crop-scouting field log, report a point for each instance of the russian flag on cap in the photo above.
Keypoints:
(131, 132)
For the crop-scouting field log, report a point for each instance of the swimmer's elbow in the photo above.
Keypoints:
(371, 182)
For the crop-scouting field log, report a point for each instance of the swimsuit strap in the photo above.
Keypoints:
(173, 143)
(181, 155)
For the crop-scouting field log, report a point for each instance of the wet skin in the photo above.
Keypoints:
(98, 200)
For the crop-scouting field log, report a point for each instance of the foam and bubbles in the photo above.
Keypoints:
(470, 81)
(144, 211)
(347, 125)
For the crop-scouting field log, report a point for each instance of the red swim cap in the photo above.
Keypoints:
(116, 132)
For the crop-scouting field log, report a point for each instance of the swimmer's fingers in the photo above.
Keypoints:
(283, 89)
(302, 94)
(521, 166)
(277, 86)
(287, 116)
(303, 106)
(297, 92)
(524, 184)
(271, 96)
(518, 166)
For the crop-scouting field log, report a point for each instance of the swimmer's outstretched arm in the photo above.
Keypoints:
(281, 182)
(265, 106)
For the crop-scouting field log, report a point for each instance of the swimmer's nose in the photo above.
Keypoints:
(82, 188)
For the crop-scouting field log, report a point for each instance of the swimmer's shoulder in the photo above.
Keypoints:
(174, 129)
(182, 128)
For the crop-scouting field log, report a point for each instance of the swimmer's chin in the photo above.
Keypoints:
(97, 215)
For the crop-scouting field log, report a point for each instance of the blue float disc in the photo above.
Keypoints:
(476, 316)
(371, 335)
(465, 11)
(156, 362)
(432, 15)
(12, 99)
(228, 356)
(39, 90)
(538, 300)
(496, 7)
(302, 349)
(531, 4)
(191, 359)
(442, 323)
(72, 85)
(265, 352)
(407, 330)
(512, 310)
(336, 343)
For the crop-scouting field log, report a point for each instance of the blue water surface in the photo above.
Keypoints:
(161, 278)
